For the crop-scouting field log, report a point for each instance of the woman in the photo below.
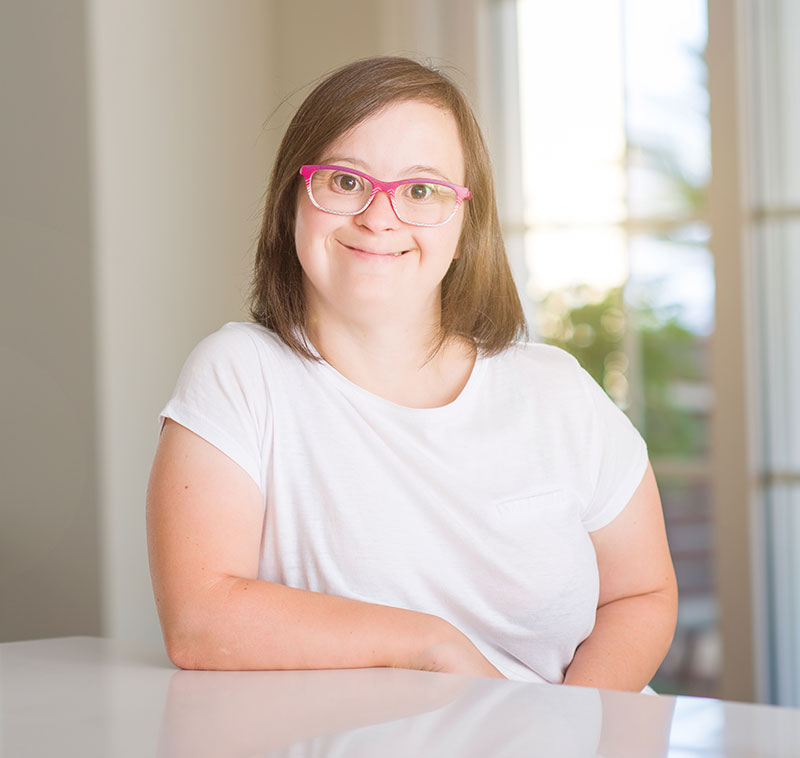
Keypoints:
(376, 472)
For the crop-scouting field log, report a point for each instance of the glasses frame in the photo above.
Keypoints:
(462, 193)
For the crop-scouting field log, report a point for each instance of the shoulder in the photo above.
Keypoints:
(238, 335)
(240, 343)
(551, 380)
(538, 365)
(222, 394)
(239, 354)
(542, 355)
(231, 373)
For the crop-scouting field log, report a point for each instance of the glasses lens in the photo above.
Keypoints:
(339, 192)
(425, 203)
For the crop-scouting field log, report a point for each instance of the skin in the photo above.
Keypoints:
(373, 316)
(638, 604)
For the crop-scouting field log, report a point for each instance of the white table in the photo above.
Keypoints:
(87, 697)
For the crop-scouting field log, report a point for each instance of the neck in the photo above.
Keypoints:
(392, 359)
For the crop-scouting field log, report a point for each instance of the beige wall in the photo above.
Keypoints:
(48, 506)
(134, 157)
(179, 94)
(311, 37)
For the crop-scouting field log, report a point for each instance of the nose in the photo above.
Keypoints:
(379, 215)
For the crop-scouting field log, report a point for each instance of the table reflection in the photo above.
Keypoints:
(368, 712)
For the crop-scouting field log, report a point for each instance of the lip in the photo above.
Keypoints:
(373, 253)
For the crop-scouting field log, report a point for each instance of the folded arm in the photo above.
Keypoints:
(638, 602)
(204, 519)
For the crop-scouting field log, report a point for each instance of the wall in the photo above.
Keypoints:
(179, 95)
(311, 38)
(133, 161)
(49, 580)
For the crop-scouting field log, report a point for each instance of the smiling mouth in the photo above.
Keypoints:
(374, 252)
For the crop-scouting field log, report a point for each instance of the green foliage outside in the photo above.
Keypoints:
(601, 331)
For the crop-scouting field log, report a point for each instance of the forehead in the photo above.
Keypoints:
(400, 137)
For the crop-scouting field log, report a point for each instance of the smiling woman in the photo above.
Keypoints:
(344, 102)
(377, 472)
(369, 266)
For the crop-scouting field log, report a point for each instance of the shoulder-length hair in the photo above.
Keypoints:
(479, 299)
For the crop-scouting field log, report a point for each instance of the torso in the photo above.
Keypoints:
(461, 510)
(477, 511)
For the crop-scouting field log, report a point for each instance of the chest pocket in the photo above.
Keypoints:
(547, 553)
(539, 502)
(546, 517)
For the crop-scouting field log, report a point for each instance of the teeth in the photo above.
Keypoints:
(394, 255)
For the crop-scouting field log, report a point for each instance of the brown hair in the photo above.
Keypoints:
(479, 299)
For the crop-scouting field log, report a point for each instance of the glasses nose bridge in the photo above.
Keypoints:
(379, 186)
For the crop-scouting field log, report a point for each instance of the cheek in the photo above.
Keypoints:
(439, 251)
(454, 229)
(449, 238)
(310, 232)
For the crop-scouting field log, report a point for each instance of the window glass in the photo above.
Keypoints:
(666, 108)
(777, 257)
(777, 261)
(772, 29)
(613, 111)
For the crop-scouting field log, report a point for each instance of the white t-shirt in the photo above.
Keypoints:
(478, 511)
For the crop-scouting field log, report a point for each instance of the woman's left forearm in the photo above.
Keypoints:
(630, 638)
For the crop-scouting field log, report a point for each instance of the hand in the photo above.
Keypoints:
(454, 653)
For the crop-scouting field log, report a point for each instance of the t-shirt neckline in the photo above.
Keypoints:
(352, 388)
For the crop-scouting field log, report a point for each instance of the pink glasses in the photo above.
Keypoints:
(347, 192)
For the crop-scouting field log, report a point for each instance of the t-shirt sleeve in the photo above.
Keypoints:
(221, 396)
(619, 455)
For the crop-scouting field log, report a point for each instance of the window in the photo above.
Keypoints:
(772, 224)
(610, 243)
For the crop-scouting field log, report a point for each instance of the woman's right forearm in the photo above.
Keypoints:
(237, 623)
(204, 521)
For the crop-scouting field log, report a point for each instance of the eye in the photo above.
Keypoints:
(346, 182)
(421, 191)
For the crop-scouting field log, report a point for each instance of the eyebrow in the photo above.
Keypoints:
(411, 172)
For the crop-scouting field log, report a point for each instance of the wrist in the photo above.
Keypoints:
(421, 633)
